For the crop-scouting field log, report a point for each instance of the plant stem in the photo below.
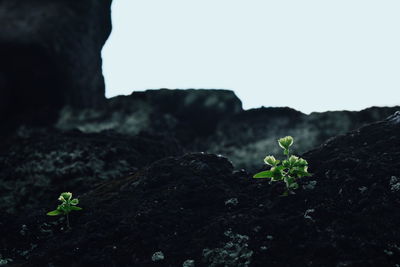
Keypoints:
(68, 222)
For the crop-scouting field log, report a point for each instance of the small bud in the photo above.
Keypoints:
(270, 160)
(285, 142)
(66, 196)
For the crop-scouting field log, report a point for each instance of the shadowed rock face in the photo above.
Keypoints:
(29, 83)
(185, 114)
(50, 56)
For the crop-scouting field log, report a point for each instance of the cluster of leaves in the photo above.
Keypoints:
(67, 205)
(288, 170)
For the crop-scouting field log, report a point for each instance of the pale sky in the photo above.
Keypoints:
(311, 55)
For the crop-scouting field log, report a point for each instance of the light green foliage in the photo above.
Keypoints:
(288, 170)
(67, 205)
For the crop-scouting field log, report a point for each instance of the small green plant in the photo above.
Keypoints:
(288, 170)
(68, 204)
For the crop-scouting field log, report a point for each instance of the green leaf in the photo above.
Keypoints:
(66, 195)
(289, 180)
(270, 160)
(75, 201)
(277, 178)
(277, 173)
(293, 159)
(301, 163)
(54, 213)
(285, 142)
(75, 208)
(294, 185)
(264, 174)
(278, 169)
(63, 208)
(300, 172)
(286, 163)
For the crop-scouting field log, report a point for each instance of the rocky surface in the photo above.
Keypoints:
(184, 114)
(50, 56)
(246, 136)
(197, 210)
(37, 164)
(213, 121)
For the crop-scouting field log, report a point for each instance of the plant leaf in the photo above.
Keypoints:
(66, 195)
(286, 163)
(294, 185)
(75, 201)
(264, 174)
(75, 208)
(285, 142)
(54, 213)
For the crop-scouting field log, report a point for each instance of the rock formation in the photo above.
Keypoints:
(197, 209)
(50, 57)
(213, 121)
(184, 114)
(247, 137)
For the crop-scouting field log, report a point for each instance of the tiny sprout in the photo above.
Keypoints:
(68, 204)
(289, 170)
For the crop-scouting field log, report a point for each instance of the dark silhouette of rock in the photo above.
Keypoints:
(50, 57)
(184, 114)
(196, 208)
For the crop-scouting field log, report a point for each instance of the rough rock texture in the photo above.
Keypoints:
(38, 164)
(213, 121)
(50, 56)
(196, 208)
(185, 114)
(249, 136)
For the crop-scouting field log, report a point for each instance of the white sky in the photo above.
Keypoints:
(312, 55)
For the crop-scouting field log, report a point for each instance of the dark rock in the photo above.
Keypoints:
(37, 164)
(185, 114)
(50, 57)
(213, 121)
(346, 214)
(246, 138)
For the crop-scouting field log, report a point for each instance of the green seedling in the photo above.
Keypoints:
(68, 204)
(288, 170)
